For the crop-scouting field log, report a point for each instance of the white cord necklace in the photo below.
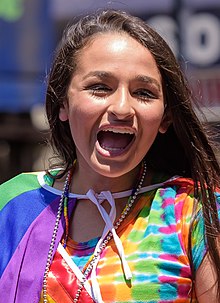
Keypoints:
(108, 233)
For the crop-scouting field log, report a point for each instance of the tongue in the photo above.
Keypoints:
(108, 139)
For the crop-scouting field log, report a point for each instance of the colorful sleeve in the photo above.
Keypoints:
(199, 245)
(16, 186)
(15, 213)
(27, 220)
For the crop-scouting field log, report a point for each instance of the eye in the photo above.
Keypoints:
(145, 94)
(99, 89)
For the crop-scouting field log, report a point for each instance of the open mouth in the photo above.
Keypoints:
(115, 141)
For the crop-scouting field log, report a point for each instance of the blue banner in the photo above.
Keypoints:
(25, 50)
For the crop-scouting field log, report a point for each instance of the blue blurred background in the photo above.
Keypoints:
(29, 33)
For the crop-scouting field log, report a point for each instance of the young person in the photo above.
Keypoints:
(132, 214)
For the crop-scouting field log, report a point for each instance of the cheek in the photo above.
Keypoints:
(87, 107)
(151, 124)
(150, 128)
(152, 119)
(81, 120)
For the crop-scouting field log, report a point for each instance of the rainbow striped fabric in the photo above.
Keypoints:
(154, 237)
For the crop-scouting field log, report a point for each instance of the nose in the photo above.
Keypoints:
(121, 105)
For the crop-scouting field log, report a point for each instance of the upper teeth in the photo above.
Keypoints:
(119, 131)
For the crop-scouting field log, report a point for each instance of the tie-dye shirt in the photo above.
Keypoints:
(155, 239)
(154, 236)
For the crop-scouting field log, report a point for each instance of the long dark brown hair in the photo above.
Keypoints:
(185, 149)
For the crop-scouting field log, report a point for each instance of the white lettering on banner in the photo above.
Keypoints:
(167, 27)
(200, 36)
(203, 39)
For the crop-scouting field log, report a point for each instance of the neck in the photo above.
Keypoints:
(86, 178)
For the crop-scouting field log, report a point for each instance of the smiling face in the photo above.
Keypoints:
(115, 104)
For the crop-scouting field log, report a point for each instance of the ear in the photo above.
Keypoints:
(64, 112)
(165, 123)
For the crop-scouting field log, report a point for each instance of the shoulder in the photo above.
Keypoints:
(180, 184)
(186, 186)
(178, 190)
(183, 193)
(22, 201)
(17, 186)
(182, 190)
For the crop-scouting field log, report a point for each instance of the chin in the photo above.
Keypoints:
(113, 168)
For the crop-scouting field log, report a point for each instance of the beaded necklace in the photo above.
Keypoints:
(63, 206)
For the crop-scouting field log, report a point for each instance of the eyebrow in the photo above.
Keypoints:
(98, 74)
(147, 79)
(140, 78)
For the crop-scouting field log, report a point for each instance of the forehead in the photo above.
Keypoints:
(115, 49)
(117, 40)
